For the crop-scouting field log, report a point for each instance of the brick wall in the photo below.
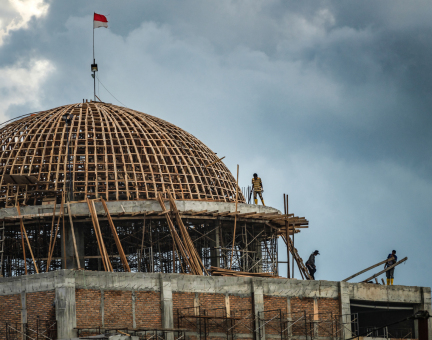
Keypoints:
(118, 309)
(273, 306)
(328, 314)
(88, 311)
(10, 311)
(148, 312)
(242, 307)
(41, 304)
(180, 301)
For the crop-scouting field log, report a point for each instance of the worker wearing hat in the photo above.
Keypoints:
(257, 188)
(310, 264)
(390, 273)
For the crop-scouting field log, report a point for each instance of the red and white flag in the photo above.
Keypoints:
(100, 20)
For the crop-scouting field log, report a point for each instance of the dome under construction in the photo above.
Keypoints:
(94, 186)
(114, 153)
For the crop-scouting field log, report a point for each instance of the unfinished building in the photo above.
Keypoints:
(113, 221)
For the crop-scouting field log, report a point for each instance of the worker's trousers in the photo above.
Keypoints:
(390, 273)
(311, 271)
(259, 194)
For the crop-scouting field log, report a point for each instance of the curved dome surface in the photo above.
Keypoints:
(115, 153)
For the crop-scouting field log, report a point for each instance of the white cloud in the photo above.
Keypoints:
(18, 13)
(22, 84)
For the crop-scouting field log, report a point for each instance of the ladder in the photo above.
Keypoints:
(2, 231)
(302, 268)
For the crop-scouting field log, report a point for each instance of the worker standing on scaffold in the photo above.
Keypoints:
(257, 188)
(390, 273)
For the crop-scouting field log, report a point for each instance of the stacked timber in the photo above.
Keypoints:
(216, 271)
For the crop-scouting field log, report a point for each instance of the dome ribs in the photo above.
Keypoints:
(115, 153)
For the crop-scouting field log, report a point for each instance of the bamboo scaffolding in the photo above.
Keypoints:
(187, 240)
(28, 243)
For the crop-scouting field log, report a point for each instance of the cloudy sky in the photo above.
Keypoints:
(329, 101)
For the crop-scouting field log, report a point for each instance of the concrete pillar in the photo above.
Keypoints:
(215, 246)
(345, 310)
(65, 308)
(289, 317)
(166, 304)
(70, 251)
(424, 305)
(133, 309)
(315, 317)
(258, 300)
(102, 307)
(23, 313)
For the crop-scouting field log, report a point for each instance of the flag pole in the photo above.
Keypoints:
(94, 62)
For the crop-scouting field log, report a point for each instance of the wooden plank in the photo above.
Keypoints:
(216, 161)
(365, 270)
(22, 243)
(385, 270)
(73, 235)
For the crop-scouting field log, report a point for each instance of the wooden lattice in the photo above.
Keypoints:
(115, 153)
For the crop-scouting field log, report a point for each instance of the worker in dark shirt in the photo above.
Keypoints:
(310, 264)
(390, 273)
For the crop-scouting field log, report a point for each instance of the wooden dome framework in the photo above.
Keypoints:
(115, 154)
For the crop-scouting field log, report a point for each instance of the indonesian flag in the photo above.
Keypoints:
(100, 20)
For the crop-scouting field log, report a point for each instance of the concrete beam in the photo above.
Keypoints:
(115, 207)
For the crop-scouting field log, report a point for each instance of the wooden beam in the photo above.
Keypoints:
(73, 235)
(116, 239)
(385, 270)
(216, 161)
(365, 270)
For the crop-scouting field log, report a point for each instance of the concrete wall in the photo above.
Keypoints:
(142, 299)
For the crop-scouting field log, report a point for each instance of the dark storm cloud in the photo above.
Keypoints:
(327, 100)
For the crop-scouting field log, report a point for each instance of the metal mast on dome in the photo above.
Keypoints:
(99, 20)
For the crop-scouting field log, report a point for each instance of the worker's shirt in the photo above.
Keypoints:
(257, 184)
(392, 262)
(311, 261)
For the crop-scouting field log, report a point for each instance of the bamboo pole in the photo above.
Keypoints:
(116, 238)
(64, 239)
(235, 218)
(175, 236)
(22, 240)
(387, 269)
(186, 236)
(97, 234)
(73, 235)
(105, 253)
(365, 270)
(51, 251)
(216, 161)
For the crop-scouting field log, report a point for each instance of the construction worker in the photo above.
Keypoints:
(257, 188)
(390, 273)
(310, 264)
